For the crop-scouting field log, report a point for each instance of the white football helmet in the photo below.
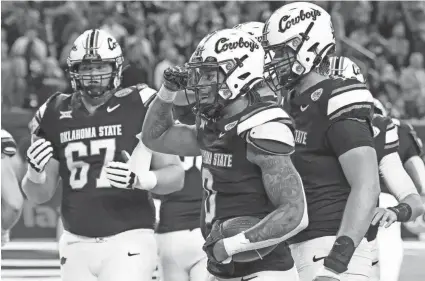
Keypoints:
(345, 68)
(301, 35)
(95, 46)
(225, 65)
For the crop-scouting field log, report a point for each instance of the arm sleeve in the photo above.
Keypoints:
(347, 134)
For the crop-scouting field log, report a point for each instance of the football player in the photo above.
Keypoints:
(245, 145)
(396, 186)
(91, 140)
(334, 153)
(11, 197)
(179, 235)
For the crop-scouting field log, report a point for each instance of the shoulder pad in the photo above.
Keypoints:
(273, 137)
(146, 93)
(263, 115)
(349, 98)
(8, 144)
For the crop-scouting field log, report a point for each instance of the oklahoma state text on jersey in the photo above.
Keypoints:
(83, 144)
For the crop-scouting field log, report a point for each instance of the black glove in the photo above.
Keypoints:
(214, 267)
(175, 78)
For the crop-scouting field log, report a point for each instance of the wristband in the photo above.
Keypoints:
(166, 95)
(36, 177)
(340, 255)
(235, 244)
(403, 212)
(147, 181)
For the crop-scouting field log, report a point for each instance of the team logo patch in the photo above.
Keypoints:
(123, 92)
(316, 94)
(230, 126)
(65, 114)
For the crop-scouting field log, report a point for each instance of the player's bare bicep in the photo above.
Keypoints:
(281, 180)
(180, 139)
(161, 160)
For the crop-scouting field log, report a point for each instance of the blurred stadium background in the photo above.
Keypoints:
(386, 39)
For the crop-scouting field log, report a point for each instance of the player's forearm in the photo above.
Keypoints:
(415, 167)
(9, 215)
(285, 189)
(170, 179)
(158, 120)
(359, 211)
(39, 193)
(415, 203)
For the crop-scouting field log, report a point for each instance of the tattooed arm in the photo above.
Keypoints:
(285, 190)
(161, 133)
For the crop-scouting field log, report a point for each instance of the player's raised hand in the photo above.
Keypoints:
(119, 173)
(175, 78)
(39, 153)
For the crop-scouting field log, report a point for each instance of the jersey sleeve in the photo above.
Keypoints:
(348, 134)
(146, 94)
(349, 99)
(270, 130)
(410, 144)
(39, 125)
(349, 112)
(8, 144)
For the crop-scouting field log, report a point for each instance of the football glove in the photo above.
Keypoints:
(175, 78)
(38, 154)
(120, 175)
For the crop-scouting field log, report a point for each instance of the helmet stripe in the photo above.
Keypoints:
(96, 41)
(336, 66)
(92, 41)
(87, 47)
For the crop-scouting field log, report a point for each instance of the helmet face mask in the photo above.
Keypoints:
(306, 29)
(95, 65)
(208, 81)
(225, 66)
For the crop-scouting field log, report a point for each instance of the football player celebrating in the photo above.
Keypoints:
(245, 146)
(335, 153)
(85, 139)
(11, 196)
(398, 185)
(178, 233)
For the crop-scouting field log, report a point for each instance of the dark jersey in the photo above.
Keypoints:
(386, 142)
(8, 144)
(385, 136)
(182, 209)
(83, 144)
(234, 186)
(410, 144)
(331, 118)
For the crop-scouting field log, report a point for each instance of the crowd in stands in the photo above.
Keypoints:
(386, 39)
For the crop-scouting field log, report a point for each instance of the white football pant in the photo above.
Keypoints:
(309, 255)
(130, 256)
(181, 256)
(288, 275)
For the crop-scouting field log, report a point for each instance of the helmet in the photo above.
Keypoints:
(255, 29)
(225, 65)
(379, 108)
(302, 35)
(345, 68)
(95, 46)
